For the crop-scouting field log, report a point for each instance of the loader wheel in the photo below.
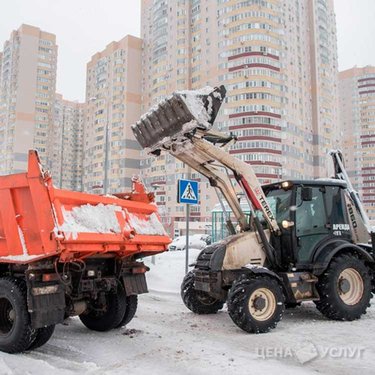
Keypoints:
(256, 304)
(16, 333)
(108, 316)
(42, 336)
(197, 301)
(345, 288)
(131, 308)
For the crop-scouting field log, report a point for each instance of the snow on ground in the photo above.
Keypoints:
(166, 338)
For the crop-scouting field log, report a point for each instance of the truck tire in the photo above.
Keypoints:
(131, 309)
(41, 337)
(256, 304)
(345, 288)
(197, 301)
(115, 308)
(16, 333)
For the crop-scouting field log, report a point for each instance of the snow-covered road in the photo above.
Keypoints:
(166, 338)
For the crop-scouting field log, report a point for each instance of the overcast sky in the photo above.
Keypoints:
(84, 27)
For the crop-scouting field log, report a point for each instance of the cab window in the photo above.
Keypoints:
(279, 201)
(311, 216)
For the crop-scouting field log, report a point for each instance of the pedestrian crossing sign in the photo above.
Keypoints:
(188, 192)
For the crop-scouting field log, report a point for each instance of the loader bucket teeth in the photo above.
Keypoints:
(165, 123)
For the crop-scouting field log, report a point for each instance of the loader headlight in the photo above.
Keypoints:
(286, 224)
(286, 185)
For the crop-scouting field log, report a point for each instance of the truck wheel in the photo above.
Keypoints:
(42, 336)
(104, 318)
(256, 304)
(131, 308)
(16, 333)
(197, 301)
(345, 288)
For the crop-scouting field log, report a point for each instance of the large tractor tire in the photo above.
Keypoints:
(16, 334)
(105, 318)
(41, 337)
(197, 301)
(256, 304)
(345, 288)
(131, 309)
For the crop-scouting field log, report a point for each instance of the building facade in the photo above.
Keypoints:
(27, 92)
(278, 61)
(65, 153)
(113, 102)
(357, 121)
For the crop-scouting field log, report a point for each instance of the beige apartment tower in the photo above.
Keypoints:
(278, 61)
(113, 100)
(27, 92)
(357, 120)
(65, 153)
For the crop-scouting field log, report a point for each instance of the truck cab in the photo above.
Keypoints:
(311, 213)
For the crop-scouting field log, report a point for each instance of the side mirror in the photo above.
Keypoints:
(306, 194)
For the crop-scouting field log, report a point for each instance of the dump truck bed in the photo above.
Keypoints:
(38, 221)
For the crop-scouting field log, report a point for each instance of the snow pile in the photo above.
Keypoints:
(90, 219)
(194, 101)
(102, 219)
(168, 270)
(151, 226)
(255, 266)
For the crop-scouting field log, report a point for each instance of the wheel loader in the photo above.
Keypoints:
(66, 253)
(305, 240)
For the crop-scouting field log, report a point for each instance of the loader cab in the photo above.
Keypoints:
(308, 213)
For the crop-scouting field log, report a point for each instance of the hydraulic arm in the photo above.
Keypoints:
(181, 126)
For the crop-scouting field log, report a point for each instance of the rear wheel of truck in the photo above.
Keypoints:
(197, 301)
(131, 309)
(16, 333)
(256, 304)
(42, 335)
(345, 288)
(108, 316)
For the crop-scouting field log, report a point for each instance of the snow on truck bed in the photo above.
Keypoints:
(94, 219)
(102, 219)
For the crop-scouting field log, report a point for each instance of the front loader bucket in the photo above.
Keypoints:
(178, 115)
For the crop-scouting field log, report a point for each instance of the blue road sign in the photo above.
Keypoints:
(188, 192)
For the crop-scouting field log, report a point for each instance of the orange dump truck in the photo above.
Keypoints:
(65, 253)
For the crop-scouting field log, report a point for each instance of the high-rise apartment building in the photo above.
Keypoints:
(278, 60)
(65, 154)
(27, 92)
(1, 63)
(357, 120)
(113, 100)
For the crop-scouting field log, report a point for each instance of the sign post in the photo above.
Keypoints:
(188, 192)
(187, 239)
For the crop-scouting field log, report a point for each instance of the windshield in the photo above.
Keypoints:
(280, 202)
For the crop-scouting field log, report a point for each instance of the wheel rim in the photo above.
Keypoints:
(350, 286)
(7, 316)
(262, 304)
